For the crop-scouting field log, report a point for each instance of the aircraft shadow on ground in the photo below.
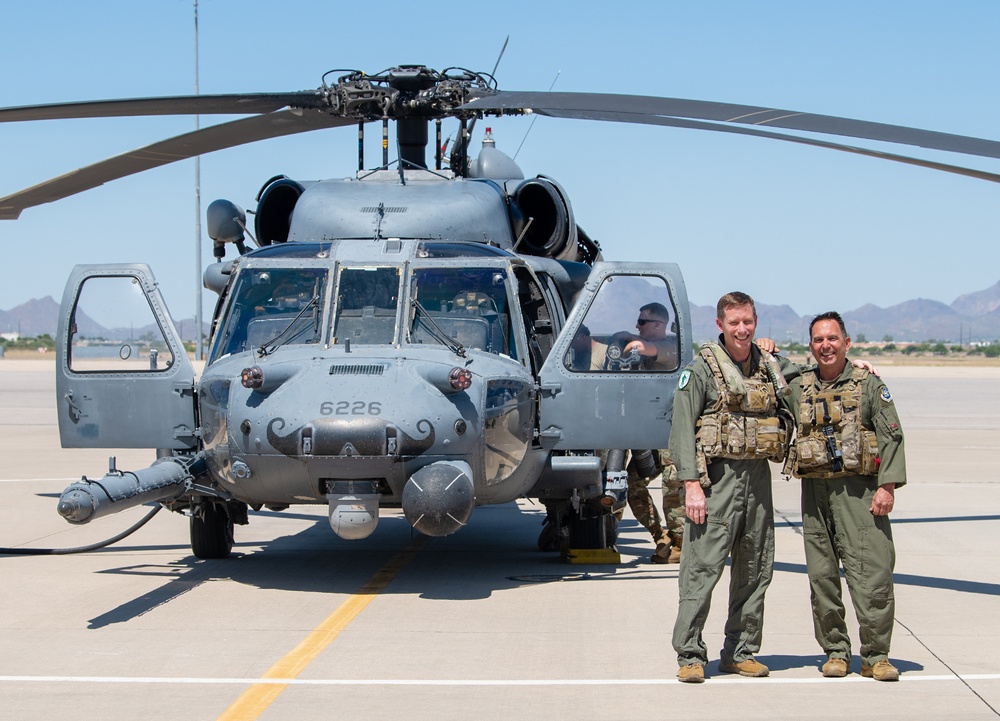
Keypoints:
(498, 553)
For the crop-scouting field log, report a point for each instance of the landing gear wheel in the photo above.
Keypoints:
(211, 531)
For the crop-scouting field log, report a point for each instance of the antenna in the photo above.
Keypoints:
(466, 136)
(199, 350)
(535, 117)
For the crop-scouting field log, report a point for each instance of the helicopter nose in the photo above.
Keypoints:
(438, 499)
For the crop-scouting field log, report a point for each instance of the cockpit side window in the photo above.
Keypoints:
(273, 305)
(631, 325)
(469, 305)
(367, 304)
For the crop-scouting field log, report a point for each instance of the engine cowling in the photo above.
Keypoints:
(543, 220)
(275, 203)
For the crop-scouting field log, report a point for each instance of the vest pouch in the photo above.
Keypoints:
(757, 398)
(825, 405)
(850, 445)
(869, 453)
(709, 435)
(770, 437)
(736, 436)
(811, 452)
(701, 465)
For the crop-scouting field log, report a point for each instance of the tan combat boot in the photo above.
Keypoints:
(747, 667)
(880, 671)
(663, 550)
(692, 673)
(835, 668)
(675, 551)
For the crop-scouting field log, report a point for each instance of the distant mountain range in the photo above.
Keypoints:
(40, 316)
(973, 316)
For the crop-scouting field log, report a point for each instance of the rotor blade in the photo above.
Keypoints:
(199, 142)
(234, 104)
(699, 125)
(590, 105)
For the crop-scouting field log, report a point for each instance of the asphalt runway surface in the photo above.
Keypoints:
(300, 624)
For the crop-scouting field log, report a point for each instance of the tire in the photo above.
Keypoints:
(211, 531)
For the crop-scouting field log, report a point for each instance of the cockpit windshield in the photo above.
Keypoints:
(273, 306)
(367, 299)
(468, 305)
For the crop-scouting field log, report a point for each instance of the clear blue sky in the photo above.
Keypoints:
(734, 212)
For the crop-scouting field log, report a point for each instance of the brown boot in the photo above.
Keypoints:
(675, 551)
(880, 671)
(750, 667)
(836, 668)
(692, 673)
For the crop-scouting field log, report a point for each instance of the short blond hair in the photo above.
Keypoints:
(733, 299)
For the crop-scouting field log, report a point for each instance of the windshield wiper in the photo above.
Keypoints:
(435, 330)
(273, 344)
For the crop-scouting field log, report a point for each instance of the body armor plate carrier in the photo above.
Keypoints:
(745, 422)
(831, 442)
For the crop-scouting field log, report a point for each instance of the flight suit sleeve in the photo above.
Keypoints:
(788, 369)
(884, 420)
(689, 402)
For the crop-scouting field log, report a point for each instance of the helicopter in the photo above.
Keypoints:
(407, 337)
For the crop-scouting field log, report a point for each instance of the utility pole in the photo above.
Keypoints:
(199, 350)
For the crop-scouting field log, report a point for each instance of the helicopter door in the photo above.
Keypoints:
(595, 394)
(124, 379)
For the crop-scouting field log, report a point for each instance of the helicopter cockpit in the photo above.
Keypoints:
(274, 305)
(469, 305)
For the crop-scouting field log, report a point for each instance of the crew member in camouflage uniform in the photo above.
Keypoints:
(659, 352)
(849, 454)
(644, 509)
(672, 490)
(726, 425)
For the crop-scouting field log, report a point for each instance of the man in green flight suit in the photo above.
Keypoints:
(727, 423)
(849, 454)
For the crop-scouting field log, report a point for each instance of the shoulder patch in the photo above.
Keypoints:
(683, 380)
(886, 396)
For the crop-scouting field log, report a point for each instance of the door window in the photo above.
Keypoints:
(114, 329)
(631, 325)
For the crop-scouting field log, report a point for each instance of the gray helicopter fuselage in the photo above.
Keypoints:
(407, 340)
(365, 397)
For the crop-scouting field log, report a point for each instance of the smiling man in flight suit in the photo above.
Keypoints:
(726, 425)
(849, 454)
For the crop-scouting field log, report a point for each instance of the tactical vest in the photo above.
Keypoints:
(837, 409)
(744, 423)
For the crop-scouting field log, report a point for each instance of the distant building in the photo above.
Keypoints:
(12, 336)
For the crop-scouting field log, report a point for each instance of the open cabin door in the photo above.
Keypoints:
(123, 378)
(593, 396)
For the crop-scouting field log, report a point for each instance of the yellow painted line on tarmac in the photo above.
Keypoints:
(256, 699)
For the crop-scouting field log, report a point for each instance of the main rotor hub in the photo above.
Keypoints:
(406, 91)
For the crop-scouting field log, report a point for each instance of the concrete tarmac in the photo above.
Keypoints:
(299, 624)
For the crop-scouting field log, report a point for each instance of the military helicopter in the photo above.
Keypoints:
(413, 336)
